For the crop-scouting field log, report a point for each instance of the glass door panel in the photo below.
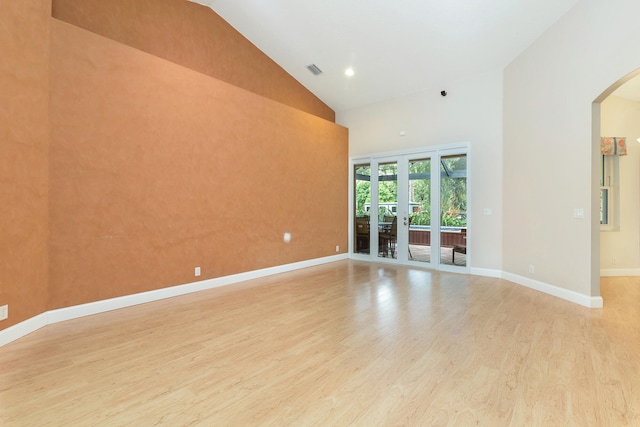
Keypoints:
(419, 209)
(362, 207)
(412, 208)
(453, 210)
(387, 212)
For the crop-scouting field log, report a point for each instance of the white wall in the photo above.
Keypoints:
(549, 148)
(471, 112)
(620, 248)
(548, 164)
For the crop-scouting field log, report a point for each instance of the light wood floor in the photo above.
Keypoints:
(344, 344)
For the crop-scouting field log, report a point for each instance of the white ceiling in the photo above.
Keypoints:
(395, 47)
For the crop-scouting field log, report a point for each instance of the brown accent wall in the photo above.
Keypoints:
(137, 169)
(156, 169)
(193, 36)
(24, 57)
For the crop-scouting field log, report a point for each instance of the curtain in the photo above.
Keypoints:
(613, 146)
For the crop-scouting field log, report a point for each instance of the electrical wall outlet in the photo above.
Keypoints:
(337, 248)
(532, 269)
(196, 272)
(4, 312)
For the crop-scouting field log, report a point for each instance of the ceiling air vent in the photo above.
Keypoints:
(314, 69)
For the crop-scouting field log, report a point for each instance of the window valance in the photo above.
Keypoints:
(613, 145)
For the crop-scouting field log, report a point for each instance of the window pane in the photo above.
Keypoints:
(453, 209)
(420, 210)
(362, 201)
(387, 208)
(604, 206)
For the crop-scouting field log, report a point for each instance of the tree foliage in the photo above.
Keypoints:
(453, 190)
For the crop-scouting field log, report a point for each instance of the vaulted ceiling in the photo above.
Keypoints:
(395, 48)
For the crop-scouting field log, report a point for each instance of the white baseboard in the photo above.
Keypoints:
(620, 272)
(21, 329)
(486, 272)
(565, 294)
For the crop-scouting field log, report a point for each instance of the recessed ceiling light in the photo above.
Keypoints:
(349, 72)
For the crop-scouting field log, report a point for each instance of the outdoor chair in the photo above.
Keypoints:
(362, 234)
(388, 239)
(460, 248)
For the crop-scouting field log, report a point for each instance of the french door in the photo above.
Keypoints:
(412, 208)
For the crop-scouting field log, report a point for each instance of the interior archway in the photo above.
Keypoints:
(632, 92)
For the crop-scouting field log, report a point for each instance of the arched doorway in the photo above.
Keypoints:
(616, 225)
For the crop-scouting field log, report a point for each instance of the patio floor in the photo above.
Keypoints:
(423, 253)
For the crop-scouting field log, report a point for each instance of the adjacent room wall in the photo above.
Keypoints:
(549, 150)
(157, 169)
(194, 36)
(471, 112)
(620, 248)
(24, 125)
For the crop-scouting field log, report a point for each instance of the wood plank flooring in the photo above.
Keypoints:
(343, 344)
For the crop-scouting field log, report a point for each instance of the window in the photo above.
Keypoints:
(605, 206)
(362, 207)
(609, 192)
